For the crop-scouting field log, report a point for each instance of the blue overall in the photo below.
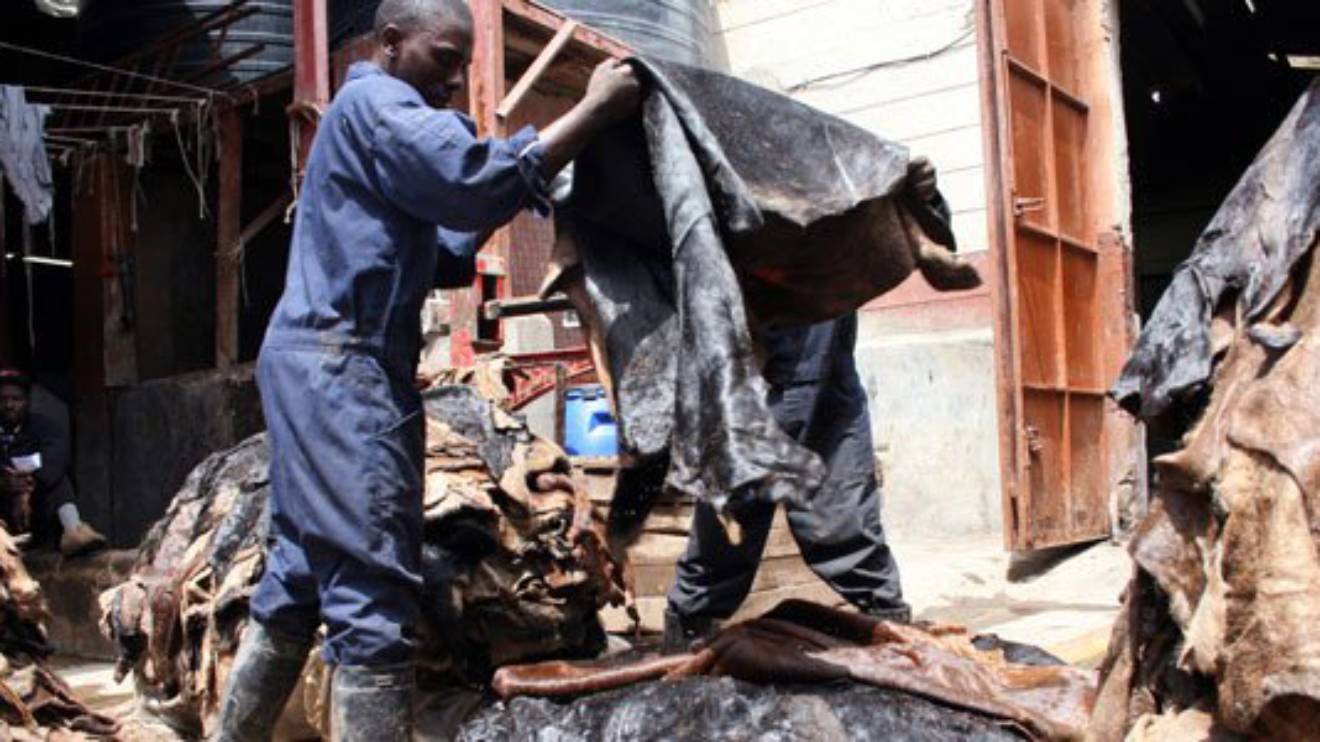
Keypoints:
(394, 197)
(817, 397)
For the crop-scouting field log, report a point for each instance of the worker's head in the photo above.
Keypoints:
(15, 388)
(427, 44)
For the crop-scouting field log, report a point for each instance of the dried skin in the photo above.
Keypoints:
(805, 643)
(520, 567)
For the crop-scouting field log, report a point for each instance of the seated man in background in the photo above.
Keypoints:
(36, 494)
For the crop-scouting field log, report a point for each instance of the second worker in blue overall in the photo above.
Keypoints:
(397, 197)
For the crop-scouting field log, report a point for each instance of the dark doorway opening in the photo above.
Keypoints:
(1205, 84)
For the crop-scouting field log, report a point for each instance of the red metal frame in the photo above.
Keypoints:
(311, 73)
(488, 84)
(531, 375)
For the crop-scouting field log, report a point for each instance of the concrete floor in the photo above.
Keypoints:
(1066, 605)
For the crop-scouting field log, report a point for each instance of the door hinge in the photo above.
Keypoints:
(1022, 205)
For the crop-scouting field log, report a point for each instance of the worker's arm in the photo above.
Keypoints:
(432, 165)
(612, 95)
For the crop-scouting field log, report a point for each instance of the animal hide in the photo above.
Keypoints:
(1219, 635)
(804, 643)
(513, 561)
(1243, 258)
(720, 207)
(35, 702)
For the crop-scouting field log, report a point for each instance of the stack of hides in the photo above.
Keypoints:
(720, 208)
(513, 560)
(35, 703)
(1220, 634)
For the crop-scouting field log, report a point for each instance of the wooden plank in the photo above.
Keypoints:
(535, 71)
(228, 228)
(664, 548)
(652, 608)
(774, 572)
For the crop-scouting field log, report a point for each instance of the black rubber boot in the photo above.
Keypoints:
(683, 632)
(265, 672)
(897, 614)
(372, 704)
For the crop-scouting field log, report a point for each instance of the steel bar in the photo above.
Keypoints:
(105, 68)
(524, 306)
(75, 92)
(228, 61)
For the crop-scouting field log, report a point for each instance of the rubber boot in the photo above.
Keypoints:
(265, 672)
(901, 613)
(372, 704)
(682, 633)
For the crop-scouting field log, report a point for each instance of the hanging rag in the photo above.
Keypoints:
(23, 153)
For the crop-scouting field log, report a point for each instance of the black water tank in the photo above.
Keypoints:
(679, 30)
(110, 29)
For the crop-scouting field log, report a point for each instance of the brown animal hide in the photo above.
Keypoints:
(514, 565)
(800, 642)
(1221, 629)
(35, 703)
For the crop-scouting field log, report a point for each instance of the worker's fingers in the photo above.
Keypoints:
(614, 89)
(922, 177)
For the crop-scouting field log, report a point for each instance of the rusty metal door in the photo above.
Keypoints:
(1049, 329)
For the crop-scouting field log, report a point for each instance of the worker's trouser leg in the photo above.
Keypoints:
(840, 535)
(347, 445)
(46, 502)
(264, 673)
(714, 575)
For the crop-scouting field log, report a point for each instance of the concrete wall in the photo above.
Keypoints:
(906, 71)
(152, 435)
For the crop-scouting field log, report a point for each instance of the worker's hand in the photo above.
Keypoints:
(613, 91)
(14, 482)
(921, 176)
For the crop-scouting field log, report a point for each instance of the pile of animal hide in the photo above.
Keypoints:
(35, 703)
(720, 207)
(1220, 632)
(799, 644)
(513, 561)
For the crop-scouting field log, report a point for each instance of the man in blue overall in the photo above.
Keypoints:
(817, 397)
(396, 190)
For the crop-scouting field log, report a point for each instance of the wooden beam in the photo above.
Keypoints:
(534, 72)
(228, 228)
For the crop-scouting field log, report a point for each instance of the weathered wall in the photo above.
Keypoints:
(157, 431)
(906, 71)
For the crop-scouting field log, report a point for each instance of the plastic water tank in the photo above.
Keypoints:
(677, 30)
(109, 29)
(589, 426)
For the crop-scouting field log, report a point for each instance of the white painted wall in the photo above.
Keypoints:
(903, 69)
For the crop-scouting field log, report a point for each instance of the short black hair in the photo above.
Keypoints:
(409, 14)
